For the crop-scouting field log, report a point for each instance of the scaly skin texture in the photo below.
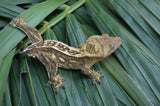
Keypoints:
(54, 54)
(31, 32)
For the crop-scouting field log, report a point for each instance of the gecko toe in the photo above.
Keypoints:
(63, 86)
(57, 90)
(99, 82)
(102, 76)
(12, 25)
(48, 84)
(93, 81)
(63, 79)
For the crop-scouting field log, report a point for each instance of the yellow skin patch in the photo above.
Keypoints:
(54, 54)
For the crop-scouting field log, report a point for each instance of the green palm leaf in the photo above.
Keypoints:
(131, 74)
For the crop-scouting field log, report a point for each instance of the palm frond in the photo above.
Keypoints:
(131, 74)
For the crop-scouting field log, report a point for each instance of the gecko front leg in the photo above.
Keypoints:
(95, 76)
(51, 65)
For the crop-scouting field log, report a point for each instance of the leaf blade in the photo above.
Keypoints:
(10, 37)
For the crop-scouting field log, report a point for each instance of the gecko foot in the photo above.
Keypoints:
(94, 75)
(57, 81)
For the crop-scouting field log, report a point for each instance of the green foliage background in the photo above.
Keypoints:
(131, 73)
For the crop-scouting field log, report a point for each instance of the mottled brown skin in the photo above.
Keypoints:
(31, 32)
(54, 54)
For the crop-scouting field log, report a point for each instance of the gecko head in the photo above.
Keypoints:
(19, 21)
(109, 44)
(101, 46)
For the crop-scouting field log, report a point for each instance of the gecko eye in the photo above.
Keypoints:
(113, 46)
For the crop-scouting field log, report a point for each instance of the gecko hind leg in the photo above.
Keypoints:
(54, 79)
(51, 67)
(95, 76)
